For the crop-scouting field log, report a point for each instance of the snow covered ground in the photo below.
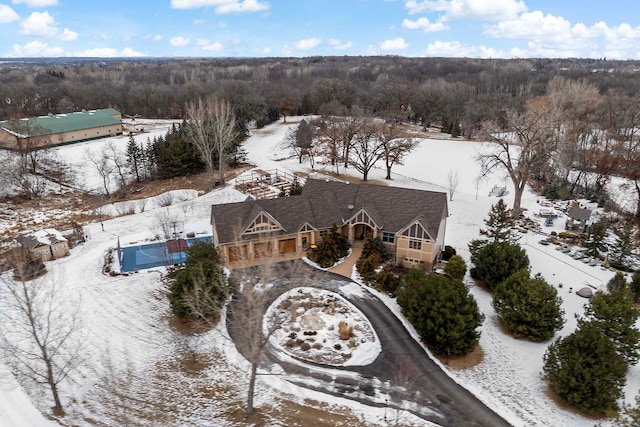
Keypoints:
(127, 324)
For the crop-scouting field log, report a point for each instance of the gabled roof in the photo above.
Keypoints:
(58, 123)
(45, 237)
(325, 203)
(579, 213)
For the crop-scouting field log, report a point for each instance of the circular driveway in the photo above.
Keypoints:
(403, 376)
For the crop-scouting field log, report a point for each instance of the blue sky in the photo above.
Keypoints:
(256, 28)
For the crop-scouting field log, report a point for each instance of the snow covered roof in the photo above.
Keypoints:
(44, 237)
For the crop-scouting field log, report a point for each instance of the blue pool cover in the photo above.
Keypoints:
(151, 255)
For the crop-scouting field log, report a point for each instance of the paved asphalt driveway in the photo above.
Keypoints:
(403, 376)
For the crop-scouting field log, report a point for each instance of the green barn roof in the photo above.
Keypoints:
(58, 123)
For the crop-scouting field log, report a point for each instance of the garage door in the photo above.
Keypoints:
(287, 246)
(237, 253)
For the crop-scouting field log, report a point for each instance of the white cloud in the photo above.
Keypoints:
(457, 49)
(179, 41)
(108, 52)
(264, 50)
(39, 24)
(68, 35)
(198, 21)
(481, 10)
(554, 36)
(338, 44)
(394, 44)
(209, 46)
(36, 3)
(307, 44)
(223, 6)
(534, 24)
(7, 14)
(36, 48)
(153, 37)
(129, 53)
(424, 24)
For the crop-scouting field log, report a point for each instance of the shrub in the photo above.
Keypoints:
(495, 261)
(333, 247)
(448, 252)
(456, 268)
(585, 370)
(337, 347)
(200, 284)
(305, 346)
(529, 307)
(441, 309)
(387, 281)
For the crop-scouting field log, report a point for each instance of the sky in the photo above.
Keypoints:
(300, 28)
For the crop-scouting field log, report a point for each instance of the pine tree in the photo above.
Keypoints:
(441, 309)
(201, 287)
(496, 261)
(622, 249)
(585, 370)
(455, 268)
(135, 157)
(499, 229)
(615, 316)
(595, 243)
(529, 307)
(635, 286)
(617, 283)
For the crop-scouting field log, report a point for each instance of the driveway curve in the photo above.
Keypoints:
(403, 376)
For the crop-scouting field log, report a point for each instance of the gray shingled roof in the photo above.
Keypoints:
(579, 213)
(324, 203)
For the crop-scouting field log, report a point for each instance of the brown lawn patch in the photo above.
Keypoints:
(469, 360)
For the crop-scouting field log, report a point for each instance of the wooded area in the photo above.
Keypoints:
(567, 115)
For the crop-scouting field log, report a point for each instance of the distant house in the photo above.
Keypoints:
(58, 129)
(578, 218)
(411, 223)
(45, 244)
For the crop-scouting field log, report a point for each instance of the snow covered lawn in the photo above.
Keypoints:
(130, 342)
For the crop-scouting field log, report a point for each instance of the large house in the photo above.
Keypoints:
(46, 244)
(57, 129)
(410, 222)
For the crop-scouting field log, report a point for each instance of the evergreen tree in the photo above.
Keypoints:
(623, 249)
(617, 283)
(615, 316)
(496, 261)
(201, 288)
(455, 268)
(331, 248)
(499, 229)
(594, 242)
(135, 157)
(635, 286)
(441, 309)
(529, 307)
(585, 370)
(500, 224)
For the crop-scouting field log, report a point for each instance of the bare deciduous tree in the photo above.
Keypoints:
(119, 161)
(104, 167)
(40, 332)
(252, 329)
(212, 129)
(395, 145)
(367, 150)
(522, 148)
(453, 180)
